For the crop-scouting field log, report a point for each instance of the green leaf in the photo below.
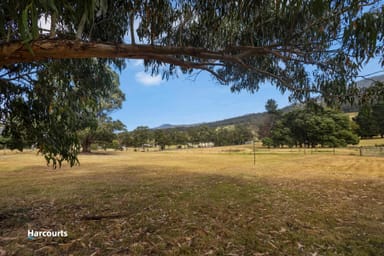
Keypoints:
(26, 35)
(34, 20)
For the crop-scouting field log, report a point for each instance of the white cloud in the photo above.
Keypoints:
(137, 63)
(147, 79)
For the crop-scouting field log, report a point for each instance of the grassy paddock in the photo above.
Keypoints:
(194, 202)
(372, 142)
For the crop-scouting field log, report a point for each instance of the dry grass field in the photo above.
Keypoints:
(195, 202)
(372, 142)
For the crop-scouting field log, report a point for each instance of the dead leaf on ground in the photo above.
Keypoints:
(8, 238)
(2, 252)
(300, 246)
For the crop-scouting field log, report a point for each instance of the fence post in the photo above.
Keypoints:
(254, 153)
(361, 151)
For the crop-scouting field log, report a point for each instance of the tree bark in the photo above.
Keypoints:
(16, 52)
(199, 58)
(86, 145)
(43, 49)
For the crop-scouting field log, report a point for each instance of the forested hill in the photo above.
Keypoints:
(368, 81)
(252, 120)
(249, 119)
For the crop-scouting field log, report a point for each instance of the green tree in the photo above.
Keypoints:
(271, 106)
(242, 44)
(105, 133)
(222, 137)
(267, 142)
(242, 134)
(282, 42)
(162, 138)
(282, 135)
(125, 139)
(367, 124)
(204, 134)
(370, 120)
(312, 126)
(270, 118)
(102, 129)
(200, 134)
(378, 115)
(237, 135)
(57, 99)
(141, 135)
(178, 137)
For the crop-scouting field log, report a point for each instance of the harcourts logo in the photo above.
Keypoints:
(32, 234)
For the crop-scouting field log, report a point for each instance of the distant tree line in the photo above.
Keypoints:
(310, 125)
(194, 136)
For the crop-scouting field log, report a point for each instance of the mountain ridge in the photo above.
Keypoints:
(252, 119)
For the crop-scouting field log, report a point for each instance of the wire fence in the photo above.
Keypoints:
(376, 151)
(372, 151)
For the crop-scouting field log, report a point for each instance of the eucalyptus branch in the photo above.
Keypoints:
(58, 49)
(131, 27)
(81, 25)
(52, 32)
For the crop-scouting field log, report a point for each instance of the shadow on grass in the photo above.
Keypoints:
(148, 211)
(101, 153)
(14, 218)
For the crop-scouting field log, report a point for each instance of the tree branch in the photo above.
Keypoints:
(131, 27)
(16, 52)
(44, 49)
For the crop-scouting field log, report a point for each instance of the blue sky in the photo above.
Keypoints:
(151, 101)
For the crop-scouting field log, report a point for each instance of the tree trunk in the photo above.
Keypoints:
(86, 145)
(45, 49)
